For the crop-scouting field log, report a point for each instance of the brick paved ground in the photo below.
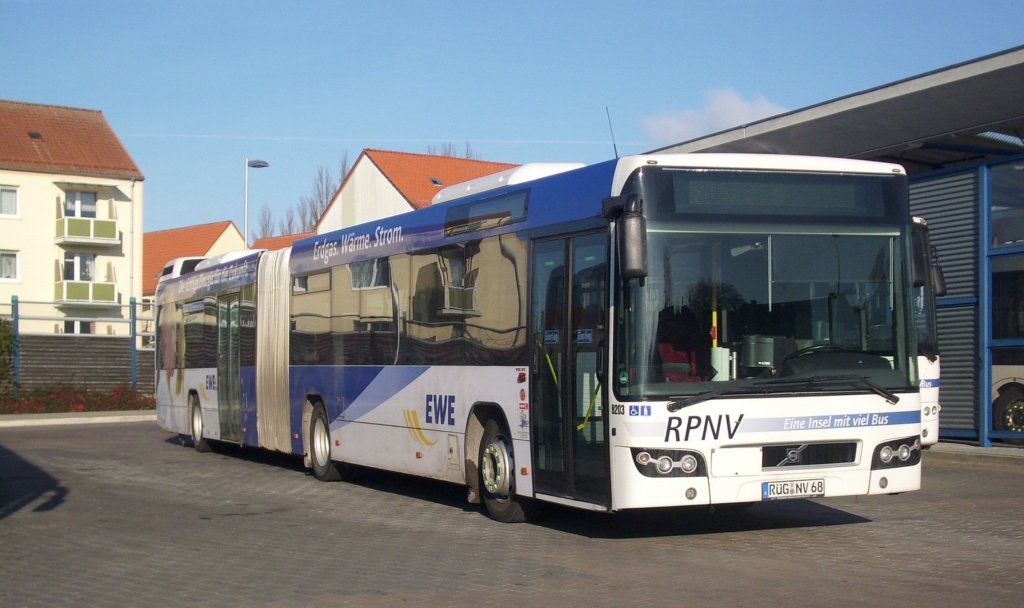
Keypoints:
(123, 515)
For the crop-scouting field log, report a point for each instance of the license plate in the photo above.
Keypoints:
(804, 488)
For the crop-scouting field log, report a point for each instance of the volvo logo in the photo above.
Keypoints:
(794, 455)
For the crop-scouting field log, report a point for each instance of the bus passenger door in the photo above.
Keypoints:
(227, 366)
(568, 324)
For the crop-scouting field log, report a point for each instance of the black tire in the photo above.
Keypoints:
(324, 468)
(1008, 410)
(498, 476)
(195, 425)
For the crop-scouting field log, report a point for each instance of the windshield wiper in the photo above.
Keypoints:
(678, 403)
(764, 388)
(888, 395)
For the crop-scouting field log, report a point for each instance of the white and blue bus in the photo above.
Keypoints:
(659, 330)
(928, 363)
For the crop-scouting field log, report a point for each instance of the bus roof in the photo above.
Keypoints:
(751, 162)
(508, 177)
(556, 194)
(232, 269)
(224, 258)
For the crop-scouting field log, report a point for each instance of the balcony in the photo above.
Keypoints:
(84, 293)
(87, 231)
(460, 301)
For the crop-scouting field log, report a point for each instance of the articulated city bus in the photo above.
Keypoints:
(658, 330)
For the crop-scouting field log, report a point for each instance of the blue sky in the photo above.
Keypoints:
(193, 88)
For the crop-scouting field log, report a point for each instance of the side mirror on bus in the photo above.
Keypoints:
(925, 260)
(938, 278)
(630, 234)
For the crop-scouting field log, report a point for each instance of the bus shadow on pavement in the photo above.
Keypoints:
(379, 480)
(649, 523)
(691, 521)
(255, 455)
(22, 484)
(676, 521)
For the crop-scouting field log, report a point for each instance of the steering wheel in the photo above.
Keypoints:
(812, 350)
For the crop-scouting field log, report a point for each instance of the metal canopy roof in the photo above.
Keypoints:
(965, 113)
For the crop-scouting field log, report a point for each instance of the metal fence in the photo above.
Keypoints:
(101, 361)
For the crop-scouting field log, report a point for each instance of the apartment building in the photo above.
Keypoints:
(71, 208)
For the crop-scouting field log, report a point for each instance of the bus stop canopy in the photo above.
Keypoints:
(965, 113)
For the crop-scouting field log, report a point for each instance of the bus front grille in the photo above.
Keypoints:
(808, 454)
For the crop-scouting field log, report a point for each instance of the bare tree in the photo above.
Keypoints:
(286, 225)
(312, 207)
(449, 149)
(265, 223)
(307, 211)
(324, 187)
(343, 168)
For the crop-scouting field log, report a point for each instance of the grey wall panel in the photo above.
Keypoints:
(949, 204)
(960, 363)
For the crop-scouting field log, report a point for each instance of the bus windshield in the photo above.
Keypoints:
(782, 305)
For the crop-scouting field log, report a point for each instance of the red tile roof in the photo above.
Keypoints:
(55, 139)
(161, 246)
(279, 242)
(414, 175)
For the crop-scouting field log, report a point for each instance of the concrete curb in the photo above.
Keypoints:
(23, 420)
(966, 453)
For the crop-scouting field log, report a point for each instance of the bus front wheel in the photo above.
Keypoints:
(324, 468)
(497, 475)
(1008, 410)
(195, 416)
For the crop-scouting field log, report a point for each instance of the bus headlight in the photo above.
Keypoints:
(904, 452)
(669, 463)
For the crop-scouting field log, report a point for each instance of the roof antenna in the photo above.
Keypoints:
(609, 115)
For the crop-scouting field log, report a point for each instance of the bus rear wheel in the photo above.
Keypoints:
(324, 468)
(497, 475)
(195, 416)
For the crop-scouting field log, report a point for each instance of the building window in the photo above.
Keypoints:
(80, 204)
(1008, 297)
(8, 266)
(79, 327)
(8, 202)
(1008, 204)
(79, 266)
(370, 273)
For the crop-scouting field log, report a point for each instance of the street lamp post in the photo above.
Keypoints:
(254, 164)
